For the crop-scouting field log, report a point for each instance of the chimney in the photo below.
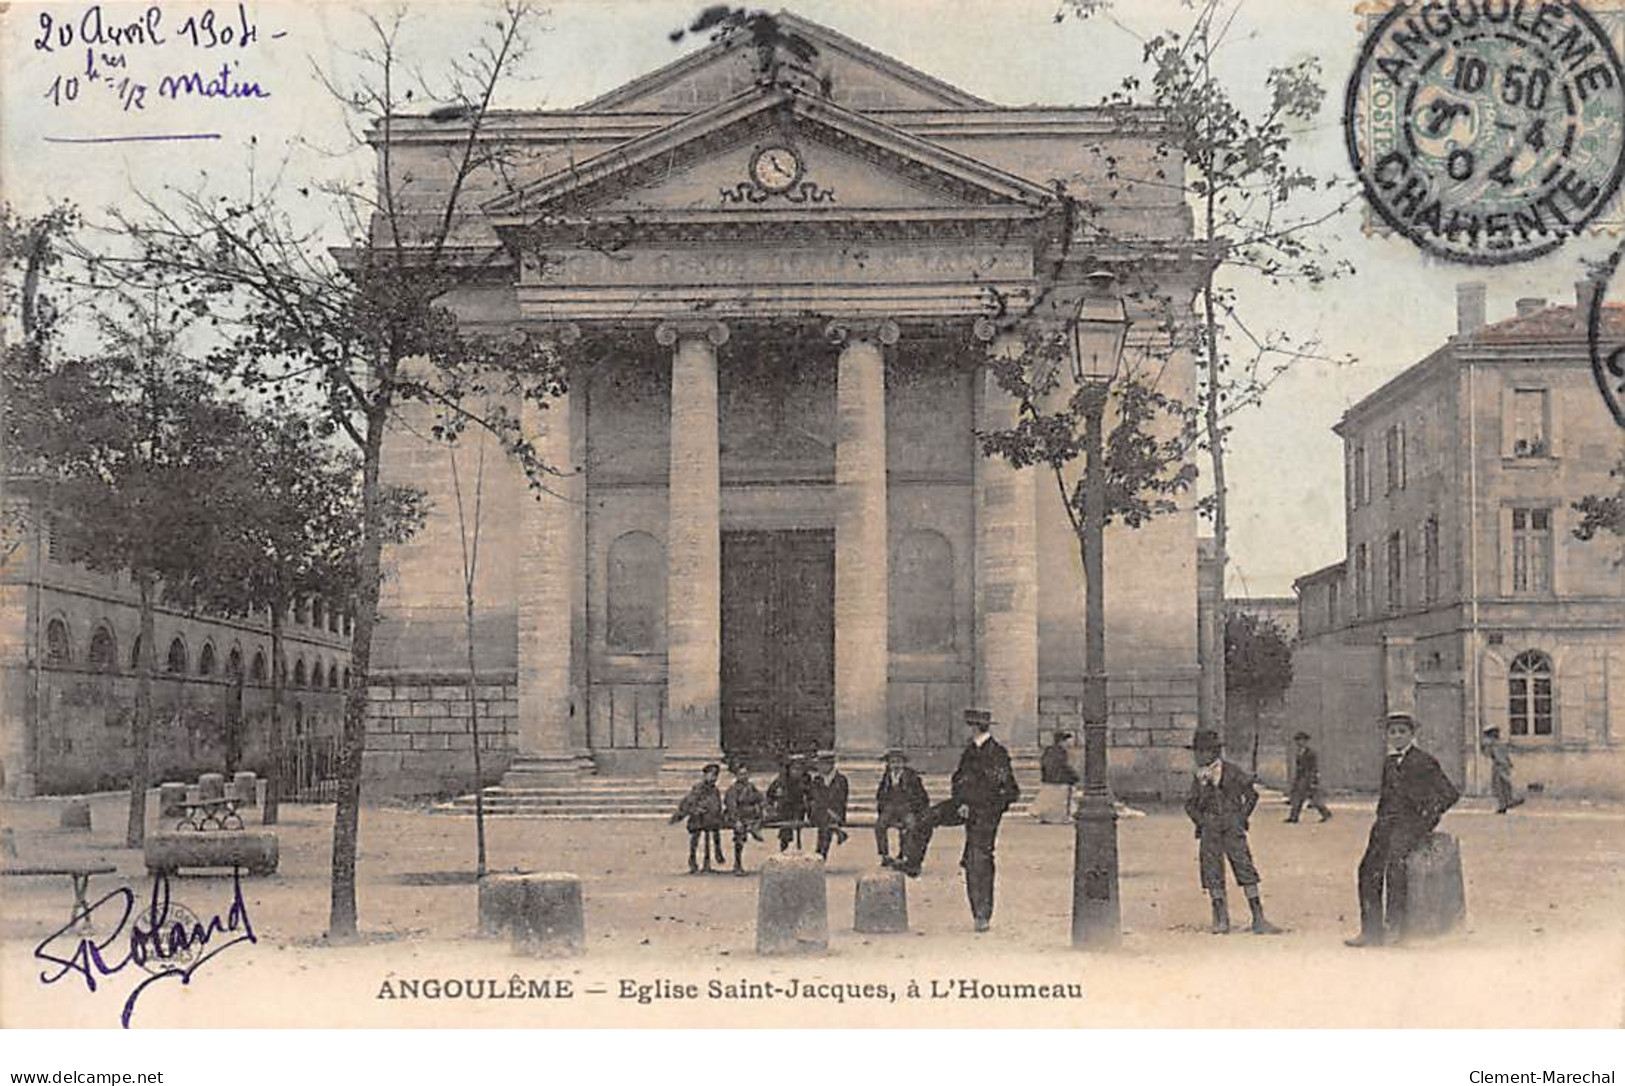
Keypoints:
(1469, 308)
(1528, 307)
(1585, 294)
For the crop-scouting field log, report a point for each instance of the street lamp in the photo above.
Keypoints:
(1099, 331)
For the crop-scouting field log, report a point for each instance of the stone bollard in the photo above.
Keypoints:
(880, 906)
(1053, 804)
(211, 786)
(502, 899)
(792, 908)
(243, 787)
(171, 796)
(550, 916)
(1436, 897)
(75, 816)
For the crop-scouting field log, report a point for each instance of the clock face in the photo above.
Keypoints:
(775, 168)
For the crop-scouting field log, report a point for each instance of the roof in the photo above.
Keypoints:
(1333, 571)
(1554, 322)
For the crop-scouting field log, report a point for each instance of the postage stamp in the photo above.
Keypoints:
(1487, 131)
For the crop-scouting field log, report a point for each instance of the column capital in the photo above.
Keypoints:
(843, 330)
(667, 333)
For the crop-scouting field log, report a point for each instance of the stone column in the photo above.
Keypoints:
(862, 548)
(693, 722)
(547, 694)
(1006, 593)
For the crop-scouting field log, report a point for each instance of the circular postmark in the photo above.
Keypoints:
(1604, 340)
(173, 945)
(1487, 131)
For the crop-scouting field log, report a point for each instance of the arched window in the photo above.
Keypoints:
(58, 649)
(301, 611)
(299, 673)
(257, 671)
(637, 594)
(333, 620)
(316, 674)
(234, 663)
(103, 650)
(135, 654)
(176, 663)
(333, 677)
(346, 678)
(205, 660)
(922, 593)
(316, 612)
(1529, 694)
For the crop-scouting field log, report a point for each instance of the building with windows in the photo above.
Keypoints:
(1463, 596)
(69, 652)
(775, 530)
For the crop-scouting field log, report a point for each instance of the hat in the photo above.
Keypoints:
(1300, 735)
(1405, 720)
(896, 752)
(1206, 739)
(979, 718)
(1061, 737)
(1492, 733)
(712, 767)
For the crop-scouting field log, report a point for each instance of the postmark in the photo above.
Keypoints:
(1606, 352)
(1487, 131)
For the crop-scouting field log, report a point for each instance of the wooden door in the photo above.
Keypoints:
(778, 643)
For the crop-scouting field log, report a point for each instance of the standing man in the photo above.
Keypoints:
(1306, 780)
(984, 787)
(827, 795)
(900, 801)
(1220, 803)
(1506, 797)
(1415, 795)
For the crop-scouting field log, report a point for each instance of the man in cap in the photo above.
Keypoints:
(1220, 803)
(1506, 797)
(827, 793)
(1306, 780)
(984, 787)
(900, 802)
(1056, 778)
(787, 798)
(1415, 795)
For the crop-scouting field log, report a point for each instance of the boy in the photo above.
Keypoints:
(1221, 801)
(1506, 796)
(787, 798)
(1306, 780)
(901, 801)
(742, 809)
(827, 795)
(703, 809)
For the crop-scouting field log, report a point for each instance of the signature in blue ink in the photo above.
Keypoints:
(164, 938)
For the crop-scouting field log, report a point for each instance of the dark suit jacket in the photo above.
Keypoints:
(1224, 809)
(908, 798)
(828, 799)
(1307, 774)
(984, 781)
(1415, 791)
(787, 798)
(1054, 767)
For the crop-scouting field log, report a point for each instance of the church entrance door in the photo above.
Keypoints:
(778, 644)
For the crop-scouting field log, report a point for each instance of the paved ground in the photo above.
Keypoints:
(1545, 944)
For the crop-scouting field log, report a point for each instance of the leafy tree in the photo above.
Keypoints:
(368, 333)
(1600, 513)
(1258, 657)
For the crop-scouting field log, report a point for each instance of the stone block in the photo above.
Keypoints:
(424, 709)
(242, 787)
(450, 693)
(254, 851)
(1437, 896)
(880, 904)
(550, 917)
(211, 786)
(406, 725)
(171, 794)
(75, 816)
(429, 741)
(792, 907)
(502, 899)
(489, 691)
(1131, 737)
(1052, 805)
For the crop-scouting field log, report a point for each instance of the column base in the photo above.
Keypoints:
(1097, 920)
(552, 767)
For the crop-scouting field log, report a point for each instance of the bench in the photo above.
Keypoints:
(200, 814)
(80, 873)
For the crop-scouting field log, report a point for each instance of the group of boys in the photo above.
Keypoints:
(808, 792)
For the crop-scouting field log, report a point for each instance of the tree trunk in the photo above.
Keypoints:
(1221, 528)
(341, 921)
(474, 730)
(273, 783)
(135, 834)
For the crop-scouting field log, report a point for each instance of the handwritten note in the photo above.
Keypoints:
(147, 59)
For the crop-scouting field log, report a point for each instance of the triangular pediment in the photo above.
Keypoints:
(856, 76)
(808, 154)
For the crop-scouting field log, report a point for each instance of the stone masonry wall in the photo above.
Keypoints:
(419, 739)
(1152, 719)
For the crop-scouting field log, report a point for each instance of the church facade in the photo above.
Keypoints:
(774, 528)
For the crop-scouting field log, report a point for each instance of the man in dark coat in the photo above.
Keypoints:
(742, 808)
(1306, 780)
(827, 793)
(1220, 803)
(702, 806)
(900, 801)
(787, 797)
(1415, 795)
(1055, 764)
(984, 787)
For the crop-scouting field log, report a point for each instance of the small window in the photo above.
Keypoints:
(103, 650)
(135, 654)
(1529, 423)
(299, 673)
(317, 613)
(1396, 571)
(234, 663)
(316, 674)
(333, 677)
(1331, 604)
(1531, 550)
(1430, 560)
(53, 539)
(258, 671)
(205, 660)
(58, 649)
(1394, 447)
(333, 621)
(176, 662)
(346, 678)
(1529, 694)
(1362, 580)
(1362, 477)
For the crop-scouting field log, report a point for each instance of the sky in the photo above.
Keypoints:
(1286, 464)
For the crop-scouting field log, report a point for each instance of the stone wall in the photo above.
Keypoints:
(1152, 718)
(419, 738)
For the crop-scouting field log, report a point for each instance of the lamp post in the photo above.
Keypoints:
(1098, 332)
